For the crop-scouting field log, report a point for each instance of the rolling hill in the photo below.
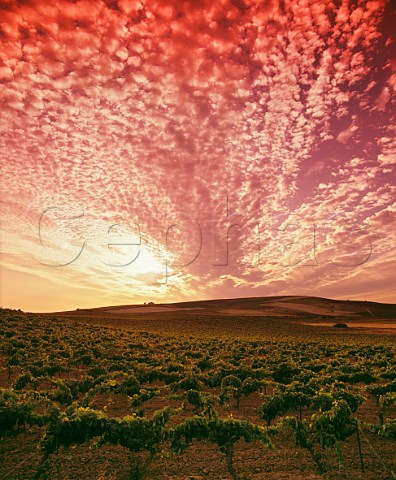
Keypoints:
(248, 316)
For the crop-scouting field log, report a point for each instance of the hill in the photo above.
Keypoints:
(257, 316)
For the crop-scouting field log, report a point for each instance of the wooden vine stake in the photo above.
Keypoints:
(359, 445)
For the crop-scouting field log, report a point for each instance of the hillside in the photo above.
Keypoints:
(258, 316)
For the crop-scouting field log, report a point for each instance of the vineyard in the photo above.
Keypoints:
(86, 400)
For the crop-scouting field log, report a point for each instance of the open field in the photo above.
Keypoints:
(83, 391)
(247, 317)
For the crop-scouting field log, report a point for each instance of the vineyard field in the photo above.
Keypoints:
(230, 389)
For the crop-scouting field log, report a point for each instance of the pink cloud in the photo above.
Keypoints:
(140, 112)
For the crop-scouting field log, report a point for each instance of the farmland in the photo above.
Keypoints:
(228, 389)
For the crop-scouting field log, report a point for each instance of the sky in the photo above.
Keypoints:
(179, 150)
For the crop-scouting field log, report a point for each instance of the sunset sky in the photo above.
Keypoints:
(179, 150)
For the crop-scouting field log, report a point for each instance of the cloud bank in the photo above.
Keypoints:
(198, 149)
